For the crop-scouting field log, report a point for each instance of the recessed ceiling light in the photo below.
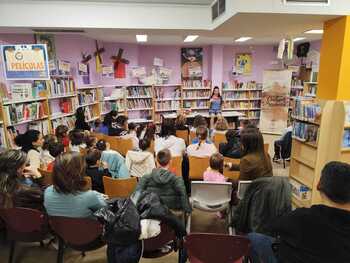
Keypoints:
(141, 38)
(190, 38)
(314, 31)
(298, 39)
(243, 39)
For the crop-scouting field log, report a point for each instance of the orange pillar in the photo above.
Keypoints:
(334, 73)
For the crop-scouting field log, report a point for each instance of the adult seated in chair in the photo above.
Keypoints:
(319, 234)
(283, 145)
(168, 186)
(68, 196)
(16, 186)
(232, 148)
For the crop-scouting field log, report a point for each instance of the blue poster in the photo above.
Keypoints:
(25, 62)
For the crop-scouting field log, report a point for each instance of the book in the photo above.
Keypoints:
(3, 142)
(42, 126)
(235, 84)
(87, 96)
(68, 121)
(305, 131)
(140, 91)
(306, 109)
(57, 86)
(16, 113)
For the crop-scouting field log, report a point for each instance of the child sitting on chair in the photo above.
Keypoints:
(214, 172)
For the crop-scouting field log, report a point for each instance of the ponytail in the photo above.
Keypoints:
(26, 140)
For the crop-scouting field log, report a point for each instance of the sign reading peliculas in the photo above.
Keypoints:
(25, 62)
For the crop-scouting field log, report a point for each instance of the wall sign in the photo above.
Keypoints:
(25, 62)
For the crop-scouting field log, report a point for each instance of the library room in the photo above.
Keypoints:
(174, 131)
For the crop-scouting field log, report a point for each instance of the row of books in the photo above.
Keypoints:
(235, 84)
(139, 103)
(58, 87)
(296, 82)
(3, 142)
(22, 91)
(107, 106)
(140, 91)
(205, 94)
(160, 93)
(16, 113)
(296, 92)
(67, 105)
(251, 114)
(196, 104)
(89, 113)
(87, 96)
(68, 121)
(306, 109)
(242, 95)
(311, 89)
(168, 105)
(196, 83)
(346, 138)
(242, 104)
(42, 126)
(305, 131)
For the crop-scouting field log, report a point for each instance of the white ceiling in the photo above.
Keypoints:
(167, 2)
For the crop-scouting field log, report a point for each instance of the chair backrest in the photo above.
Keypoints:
(166, 235)
(211, 193)
(99, 136)
(208, 248)
(46, 179)
(25, 224)
(192, 136)
(219, 138)
(242, 188)
(183, 134)
(198, 165)
(233, 175)
(176, 163)
(119, 187)
(76, 232)
(266, 147)
(151, 147)
(88, 182)
(119, 144)
(83, 151)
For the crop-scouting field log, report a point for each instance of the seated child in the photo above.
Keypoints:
(77, 140)
(214, 172)
(133, 135)
(55, 149)
(61, 133)
(90, 141)
(96, 169)
(45, 155)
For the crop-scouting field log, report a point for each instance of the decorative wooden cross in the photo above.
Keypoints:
(119, 64)
(98, 57)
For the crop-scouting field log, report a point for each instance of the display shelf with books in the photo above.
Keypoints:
(196, 94)
(139, 102)
(310, 89)
(59, 87)
(69, 121)
(319, 136)
(196, 84)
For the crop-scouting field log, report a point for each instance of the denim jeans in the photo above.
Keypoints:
(261, 248)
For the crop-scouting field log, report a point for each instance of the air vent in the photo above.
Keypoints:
(47, 30)
(217, 9)
(307, 2)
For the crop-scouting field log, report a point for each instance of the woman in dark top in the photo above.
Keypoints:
(80, 122)
(232, 148)
(16, 186)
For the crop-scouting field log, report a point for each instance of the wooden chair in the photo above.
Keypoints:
(88, 182)
(266, 147)
(119, 187)
(99, 136)
(83, 151)
(46, 179)
(151, 147)
(119, 144)
(176, 164)
(219, 138)
(192, 136)
(183, 134)
(198, 165)
(233, 175)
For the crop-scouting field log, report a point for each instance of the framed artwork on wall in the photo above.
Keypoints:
(243, 63)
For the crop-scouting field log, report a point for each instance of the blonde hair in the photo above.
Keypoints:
(180, 120)
(221, 124)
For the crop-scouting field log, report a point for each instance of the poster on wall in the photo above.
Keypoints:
(83, 69)
(107, 71)
(64, 67)
(191, 63)
(243, 63)
(25, 62)
(138, 72)
(275, 101)
(49, 40)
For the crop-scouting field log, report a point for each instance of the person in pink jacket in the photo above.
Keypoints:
(214, 172)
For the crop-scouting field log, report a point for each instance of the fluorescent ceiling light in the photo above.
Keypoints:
(298, 39)
(141, 38)
(243, 39)
(190, 38)
(314, 31)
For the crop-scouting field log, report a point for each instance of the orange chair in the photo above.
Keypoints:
(119, 144)
(198, 165)
(266, 147)
(119, 187)
(192, 136)
(88, 182)
(183, 134)
(176, 164)
(46, 177)
(99, 136)
(233, 175)
(219, 138)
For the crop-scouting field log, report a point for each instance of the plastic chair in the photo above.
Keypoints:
(77, 233)
(209, 248)
(219, 138)
(242, 188)
(24, 225)
(176, 163)
(119, 187)
(211, 197)
(46, 178)
(183, 134)
(198, 165)
(233, 175)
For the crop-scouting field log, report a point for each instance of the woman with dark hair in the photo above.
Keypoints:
(168, 140)
(80, 122)
(31, 142)
(215, 102)
(68, 195)
(14, 176)
(198, 120)
(201, 148)
(255, 162)
(232, 148)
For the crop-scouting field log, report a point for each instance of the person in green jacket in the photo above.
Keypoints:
(169, 187)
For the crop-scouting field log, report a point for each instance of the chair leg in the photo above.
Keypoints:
(12, 251)
(284, 164)
(60, 252)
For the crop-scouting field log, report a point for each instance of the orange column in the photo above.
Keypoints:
(334, 73)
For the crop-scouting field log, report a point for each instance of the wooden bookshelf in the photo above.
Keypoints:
(308, 159)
